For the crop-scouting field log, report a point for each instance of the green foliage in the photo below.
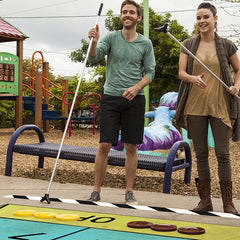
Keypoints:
(7, 114)
(27, 65)
(112, 23)
(233, 1)
(165, 49)
(99, 76)
(166, 55)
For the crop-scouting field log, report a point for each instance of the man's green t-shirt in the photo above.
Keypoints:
(127, 62)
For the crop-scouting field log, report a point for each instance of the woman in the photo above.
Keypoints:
(203, 99)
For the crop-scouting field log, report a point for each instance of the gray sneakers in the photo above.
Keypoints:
(95, 196)
(130, 199)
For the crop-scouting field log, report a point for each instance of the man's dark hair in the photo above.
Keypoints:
(139, 9)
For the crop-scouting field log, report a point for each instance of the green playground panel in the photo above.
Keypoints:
(9, 73)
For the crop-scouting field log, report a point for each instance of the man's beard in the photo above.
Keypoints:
(131, 26)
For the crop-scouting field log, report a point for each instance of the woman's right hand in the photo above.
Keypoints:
(198, 80)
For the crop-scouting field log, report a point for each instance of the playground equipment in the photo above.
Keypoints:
(38, 102)
(94, 107)
(9, 73)
(70, 104)
(12, 89)
(39, 84)
(11, 81)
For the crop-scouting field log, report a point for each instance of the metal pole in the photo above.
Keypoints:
(46, 196)
(146, 34)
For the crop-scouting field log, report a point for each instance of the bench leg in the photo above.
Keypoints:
(167, 181)
(170, 161)
(187, 177)
(8, 167)
(40, 161)
(188, 157)
(168, 173)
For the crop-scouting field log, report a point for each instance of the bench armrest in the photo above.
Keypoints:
(13, 140)
(169, 165)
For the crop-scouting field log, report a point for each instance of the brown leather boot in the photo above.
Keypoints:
(226, 190)
(204, 189)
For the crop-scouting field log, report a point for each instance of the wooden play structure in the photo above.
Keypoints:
(11, 86)
(38, 102)
(11, 78)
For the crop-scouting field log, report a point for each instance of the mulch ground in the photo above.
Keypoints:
(83, 173)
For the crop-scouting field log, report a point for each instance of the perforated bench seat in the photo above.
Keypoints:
(85, 154)
(65, 118)
(117, 158)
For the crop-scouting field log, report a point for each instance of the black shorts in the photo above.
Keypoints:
(118, 113)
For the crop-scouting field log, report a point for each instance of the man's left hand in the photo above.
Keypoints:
(130, 93)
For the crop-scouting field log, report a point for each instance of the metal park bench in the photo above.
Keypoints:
(43, 149)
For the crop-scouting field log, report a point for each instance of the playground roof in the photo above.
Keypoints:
(10, 33)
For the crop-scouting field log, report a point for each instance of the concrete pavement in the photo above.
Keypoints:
(38, 188)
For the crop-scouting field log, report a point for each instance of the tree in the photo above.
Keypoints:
(234, 27)
(166, 52)
(233, 1)
(7, 113)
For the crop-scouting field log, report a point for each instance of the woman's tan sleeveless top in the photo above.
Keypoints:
(211, 101)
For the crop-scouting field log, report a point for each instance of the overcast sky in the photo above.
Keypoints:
(56, 27)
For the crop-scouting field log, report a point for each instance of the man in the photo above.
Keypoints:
(129, 54)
